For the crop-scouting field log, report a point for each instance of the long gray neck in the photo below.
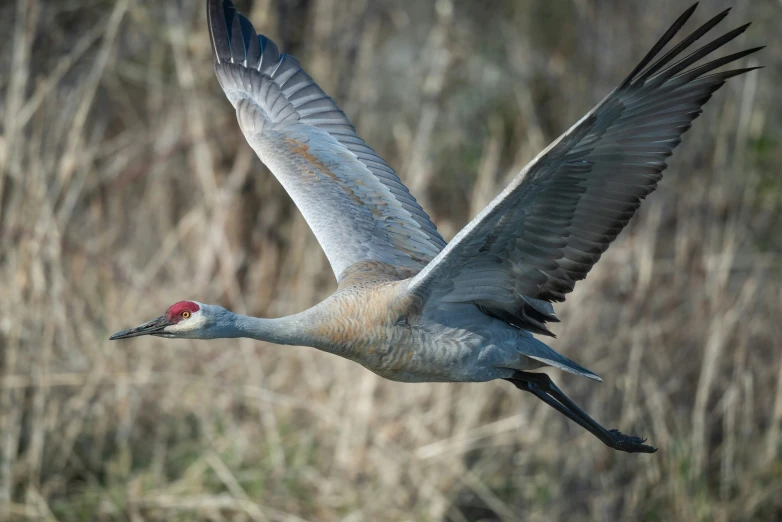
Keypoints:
(284, 330)
(280, 331)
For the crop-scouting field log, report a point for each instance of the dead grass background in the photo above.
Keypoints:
(125, 185)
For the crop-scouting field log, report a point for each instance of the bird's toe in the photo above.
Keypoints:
(630, 444)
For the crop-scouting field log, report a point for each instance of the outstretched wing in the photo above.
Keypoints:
(551, 224)
(354, 202)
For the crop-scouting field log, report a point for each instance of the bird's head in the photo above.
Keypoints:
(185, 319)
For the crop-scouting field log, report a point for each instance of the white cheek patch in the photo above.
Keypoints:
(193, 323)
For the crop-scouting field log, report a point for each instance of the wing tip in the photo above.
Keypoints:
(235, 40)
(218, 28)
(643, 71)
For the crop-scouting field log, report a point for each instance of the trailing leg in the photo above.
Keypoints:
(542, 387)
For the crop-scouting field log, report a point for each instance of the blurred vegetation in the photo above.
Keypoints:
(125, 185)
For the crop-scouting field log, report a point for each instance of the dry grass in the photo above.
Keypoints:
(125, 185)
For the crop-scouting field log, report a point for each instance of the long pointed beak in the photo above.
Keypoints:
(155, 326)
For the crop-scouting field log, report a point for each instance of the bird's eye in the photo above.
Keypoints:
(185, 314)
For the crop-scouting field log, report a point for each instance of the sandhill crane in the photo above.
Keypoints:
(409, 307)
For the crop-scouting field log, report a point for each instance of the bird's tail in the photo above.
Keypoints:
(541, 352)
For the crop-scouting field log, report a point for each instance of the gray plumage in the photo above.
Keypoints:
(408, 307)
(353, 201)
(547, 229)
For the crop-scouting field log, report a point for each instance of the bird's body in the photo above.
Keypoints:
(379, 325)
(372, 320)
(409, 307)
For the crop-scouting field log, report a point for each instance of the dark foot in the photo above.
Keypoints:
(629, 443)
(540, 385)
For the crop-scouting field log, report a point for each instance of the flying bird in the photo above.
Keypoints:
(408, 306)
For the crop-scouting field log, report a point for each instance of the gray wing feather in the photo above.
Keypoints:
(354, 202)
(547, 229)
